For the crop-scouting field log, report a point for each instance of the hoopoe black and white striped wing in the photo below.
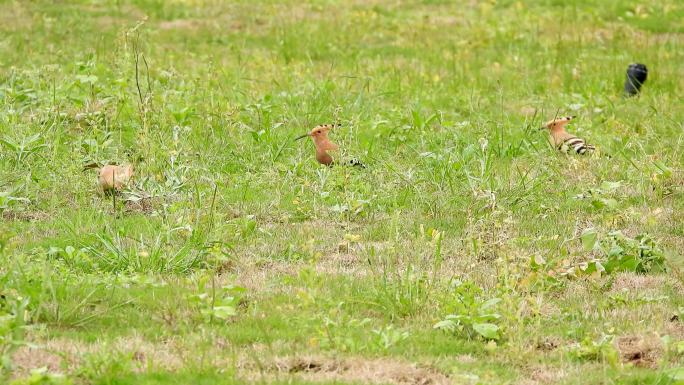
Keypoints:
(577, 145)
(355, 163)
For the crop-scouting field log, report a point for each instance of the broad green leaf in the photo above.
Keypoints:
(233, 288)
(615, 251)
(483, 318)
(32, 138)
(599, 266)
(601, 203)
(537, 261)
(675, 376)
(487, 330)
(490, 303)
(9, 144)
(607, 186)
(589, 239)
(679, 347)
(54, 250)
(224, 312)
(91, 79)
(631, 263)
(663, 168)
(445, 325)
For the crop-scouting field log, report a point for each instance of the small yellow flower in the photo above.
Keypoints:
(352, 237)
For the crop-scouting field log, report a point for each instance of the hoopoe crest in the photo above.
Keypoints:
(326, 150)
(113, 177)
(564, 141)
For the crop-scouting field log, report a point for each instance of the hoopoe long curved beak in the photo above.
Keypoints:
(301, 137)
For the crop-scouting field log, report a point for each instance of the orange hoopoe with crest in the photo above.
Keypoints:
(327, 151)
(564, 141)
(113, 177)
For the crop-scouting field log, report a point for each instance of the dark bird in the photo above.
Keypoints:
(637, 74)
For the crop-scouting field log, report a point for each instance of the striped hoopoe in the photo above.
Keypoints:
(326, 150)
(564, 141)
(113, 177)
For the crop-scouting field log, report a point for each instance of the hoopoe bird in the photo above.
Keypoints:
(564, 141)
(114, 178)
(326, 150)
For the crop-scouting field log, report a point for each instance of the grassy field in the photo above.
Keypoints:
(468, 251)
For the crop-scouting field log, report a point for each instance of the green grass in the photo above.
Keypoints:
(344, 271)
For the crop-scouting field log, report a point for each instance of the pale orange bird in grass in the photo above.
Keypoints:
(112, 177)
(564, 141)
(326, 150)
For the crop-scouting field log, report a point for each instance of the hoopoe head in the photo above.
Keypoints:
(319, 135)
(558, 123)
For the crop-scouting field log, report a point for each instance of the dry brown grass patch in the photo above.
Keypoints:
(24, 216)
(15, 16)
(362, 370)
(675, 328)
(491, 235)
(640, 283)
(146, 205)
(27, 358)
(548, 344)
(341, 263)
(67, 355)
(543, 375)
(181, 24)
(641, 351)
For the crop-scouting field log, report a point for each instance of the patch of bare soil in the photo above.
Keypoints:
(27, 358)
(576, 169)
(61, 355)
(548, 344)
(528, 111)
(125, 19)
(543, 375)
(368, 371)
(641, 351)
(674, 327)
(491, 235)
(259, 276)
(640, 282)
(14, 16)
(145, 205)
(347, 263)
(181, 24)
(24, 216)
